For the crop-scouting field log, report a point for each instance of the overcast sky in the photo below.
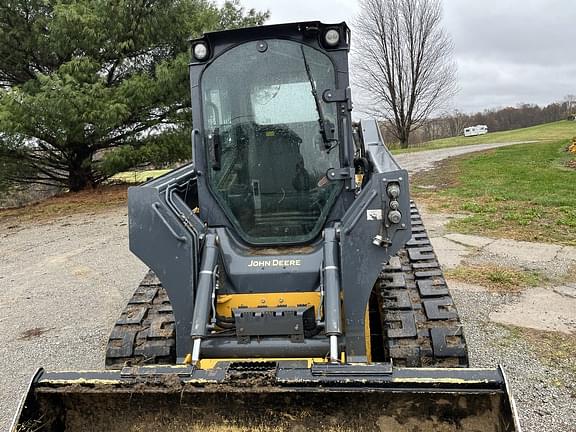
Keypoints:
(508, 51)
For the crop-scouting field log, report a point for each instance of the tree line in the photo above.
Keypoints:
(452, 123)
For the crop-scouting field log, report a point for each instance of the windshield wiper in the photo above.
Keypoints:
(326, 127)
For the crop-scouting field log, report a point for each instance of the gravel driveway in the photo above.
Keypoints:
(64, 284)
(424, 160)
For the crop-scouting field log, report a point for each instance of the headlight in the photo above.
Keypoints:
(332, 37)
(200, 51)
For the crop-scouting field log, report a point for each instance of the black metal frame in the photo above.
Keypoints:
(308, 33)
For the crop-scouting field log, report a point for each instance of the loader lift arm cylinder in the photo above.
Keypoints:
(203, 301)
(332, 288)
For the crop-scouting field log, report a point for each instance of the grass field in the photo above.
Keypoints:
(547, 132)
(524, 192)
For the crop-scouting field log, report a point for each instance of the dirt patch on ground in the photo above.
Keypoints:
(66, 204)
(444, 175)
(554, 347)
(33, 333)
(22, 195)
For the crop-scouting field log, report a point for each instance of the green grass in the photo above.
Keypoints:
(137, 176)
(524, 192)
(546, 132)
(498, 279)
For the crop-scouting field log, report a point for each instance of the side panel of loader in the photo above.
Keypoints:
(164, 235)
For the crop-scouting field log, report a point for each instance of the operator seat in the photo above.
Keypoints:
(278, 177)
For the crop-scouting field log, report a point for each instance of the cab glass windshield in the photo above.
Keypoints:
(267, 156)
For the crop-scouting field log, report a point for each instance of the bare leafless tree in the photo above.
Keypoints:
(403, 62)
(570, 104)
(456, 122)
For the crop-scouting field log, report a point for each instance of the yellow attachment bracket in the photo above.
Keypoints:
(207, 364)
(226, 303)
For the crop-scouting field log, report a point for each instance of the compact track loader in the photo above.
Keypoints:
(292, 285)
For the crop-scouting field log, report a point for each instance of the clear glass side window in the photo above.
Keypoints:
(267, 157)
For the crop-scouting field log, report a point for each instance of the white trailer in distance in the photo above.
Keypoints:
(476, 130)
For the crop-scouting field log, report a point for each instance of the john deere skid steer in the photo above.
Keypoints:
(292, 285)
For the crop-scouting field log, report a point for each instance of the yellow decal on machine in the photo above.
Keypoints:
(432, 380)
(82, 381)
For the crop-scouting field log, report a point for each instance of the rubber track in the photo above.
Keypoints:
(418, 316)
(421, 322)
(145, 332)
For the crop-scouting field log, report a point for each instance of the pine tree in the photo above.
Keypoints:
(92, 87)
